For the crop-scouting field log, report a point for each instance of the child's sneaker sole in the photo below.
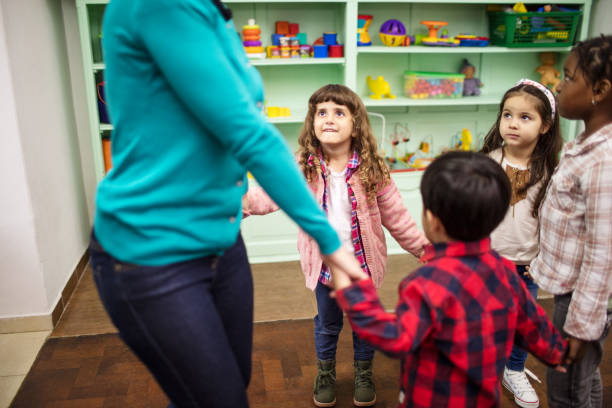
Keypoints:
(518, 401)
(364, 404)
(324, 404)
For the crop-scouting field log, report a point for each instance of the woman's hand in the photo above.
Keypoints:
(344, 267)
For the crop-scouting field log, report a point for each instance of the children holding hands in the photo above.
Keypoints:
(338, 156)
(459, 315)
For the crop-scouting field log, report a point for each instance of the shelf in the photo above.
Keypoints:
(284, 1)
(403, 101)
(420, 49)
(503, 2)
(295, 61)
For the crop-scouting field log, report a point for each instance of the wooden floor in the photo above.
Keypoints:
(79, 369)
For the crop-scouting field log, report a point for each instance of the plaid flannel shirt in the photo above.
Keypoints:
(576, 233)
(454, 325)
(351, 167)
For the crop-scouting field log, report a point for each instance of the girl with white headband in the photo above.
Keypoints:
(525, 140)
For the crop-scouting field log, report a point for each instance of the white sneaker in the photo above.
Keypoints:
(517, 383)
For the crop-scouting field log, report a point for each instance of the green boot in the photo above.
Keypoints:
(365, 395)
(325, 384)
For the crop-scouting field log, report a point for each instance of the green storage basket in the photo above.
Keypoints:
(553, 29)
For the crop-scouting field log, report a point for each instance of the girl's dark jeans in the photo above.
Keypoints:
(191, 322)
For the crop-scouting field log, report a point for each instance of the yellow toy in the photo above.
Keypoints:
(519, 7)
(379, 88)
(466, 140)
(549, 74)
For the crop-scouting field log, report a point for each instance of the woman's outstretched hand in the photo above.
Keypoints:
(344, 267)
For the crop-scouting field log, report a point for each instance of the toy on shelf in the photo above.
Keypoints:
(379, 88)
(392, 33)
(399, 157)
(363, 23)
(471, 85)
(462, 140)
(278, 111)
(469, 40)
(423, 156)
(251, 40)
(549, 74)
(519, 8)
(430, 85)
(433, 39)
(288, 42)
(327, 46)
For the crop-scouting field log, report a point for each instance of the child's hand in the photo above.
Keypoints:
(344, 261)
(575, 350)
(340, 280)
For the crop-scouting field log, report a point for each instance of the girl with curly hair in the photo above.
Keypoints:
(338, 156)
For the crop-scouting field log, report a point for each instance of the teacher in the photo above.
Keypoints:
(166, 251)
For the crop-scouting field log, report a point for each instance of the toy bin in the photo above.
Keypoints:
(433, 85)
(553, 29)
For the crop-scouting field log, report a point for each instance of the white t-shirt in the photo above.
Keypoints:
(516, 237)
(339, 208)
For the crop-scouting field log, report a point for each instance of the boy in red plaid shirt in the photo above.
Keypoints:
(459, 315)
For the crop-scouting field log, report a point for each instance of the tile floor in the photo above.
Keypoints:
(17, 353)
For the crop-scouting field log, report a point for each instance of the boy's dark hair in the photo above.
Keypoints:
(468, 191)
(595, 58)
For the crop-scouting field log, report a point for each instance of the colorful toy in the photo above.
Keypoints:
(471, 84)
(469, 40)
(363, 23)
(549, 74)
(251, 41)
(379, 88)
(433, 85)
(278, 111)
(432, 37)
(392, 33)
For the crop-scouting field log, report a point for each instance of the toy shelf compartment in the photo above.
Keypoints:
(533, 29)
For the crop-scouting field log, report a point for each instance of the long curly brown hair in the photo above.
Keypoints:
(545, 156)
(373, 172)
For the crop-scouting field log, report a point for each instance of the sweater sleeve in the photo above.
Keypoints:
(534, 331)
(397, 220)
(189, 42)
(394, 333)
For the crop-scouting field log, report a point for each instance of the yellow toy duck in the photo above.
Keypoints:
(379, 88)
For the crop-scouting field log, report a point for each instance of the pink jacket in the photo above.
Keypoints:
(387, 210)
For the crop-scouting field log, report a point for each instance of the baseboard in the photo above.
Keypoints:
(47, 321)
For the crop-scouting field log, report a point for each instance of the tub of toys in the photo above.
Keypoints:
(433, 85)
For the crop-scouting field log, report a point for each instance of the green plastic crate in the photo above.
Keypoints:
(554, 29)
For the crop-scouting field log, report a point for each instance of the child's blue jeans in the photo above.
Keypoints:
(328, 324)
(518, 355)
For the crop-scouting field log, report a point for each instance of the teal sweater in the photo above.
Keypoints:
(186, 106)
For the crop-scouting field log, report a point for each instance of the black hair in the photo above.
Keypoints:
(595, 58)
(545, 155)
(468, 191)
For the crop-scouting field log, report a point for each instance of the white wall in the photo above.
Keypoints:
(600, 18)
(44, 220)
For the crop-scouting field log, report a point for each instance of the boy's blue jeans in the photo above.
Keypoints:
(328, 324)
(518, 356)
(191, 322)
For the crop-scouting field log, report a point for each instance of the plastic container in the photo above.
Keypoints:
(533, 29)
(433, 85)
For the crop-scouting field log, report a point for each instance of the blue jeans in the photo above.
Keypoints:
(328, 324)
(518, 356)
(191, 323)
